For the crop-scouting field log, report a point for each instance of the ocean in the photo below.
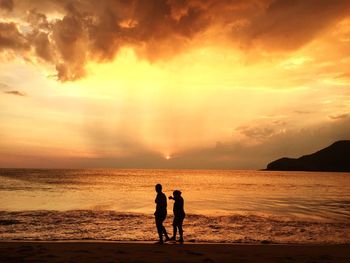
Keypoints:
(221, 205)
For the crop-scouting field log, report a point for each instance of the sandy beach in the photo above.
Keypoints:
(80, 251)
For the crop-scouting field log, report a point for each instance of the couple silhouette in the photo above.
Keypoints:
(161, 213)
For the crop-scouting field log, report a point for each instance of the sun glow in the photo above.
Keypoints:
(202, 100)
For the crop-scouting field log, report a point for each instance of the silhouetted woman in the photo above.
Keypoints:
(179, 215)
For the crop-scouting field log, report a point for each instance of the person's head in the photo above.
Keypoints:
(177, 193)
(158, 188)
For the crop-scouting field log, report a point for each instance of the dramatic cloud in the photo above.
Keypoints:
(172, 83)
(6, 4)
(85, 31)
(11, 38)
(289, 24)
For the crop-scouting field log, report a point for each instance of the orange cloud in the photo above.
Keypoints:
(289, 24)
(6, 4)
(11, 38)
(88, 31)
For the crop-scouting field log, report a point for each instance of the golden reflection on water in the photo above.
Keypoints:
(206, 192)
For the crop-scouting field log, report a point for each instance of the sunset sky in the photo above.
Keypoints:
(171, 83)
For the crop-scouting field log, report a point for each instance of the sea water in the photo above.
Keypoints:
(221, 205)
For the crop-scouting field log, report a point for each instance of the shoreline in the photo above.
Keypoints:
(141, 251)
(262, 243)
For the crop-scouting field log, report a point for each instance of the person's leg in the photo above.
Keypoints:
(174, 231)
(164, 232)
(159, 229)
(180, 230)
(162, 229)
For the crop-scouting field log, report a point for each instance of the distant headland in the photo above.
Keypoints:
(334, 158)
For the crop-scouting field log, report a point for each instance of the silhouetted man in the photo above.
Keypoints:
(160, 213)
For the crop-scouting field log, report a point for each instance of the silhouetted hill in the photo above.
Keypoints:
(334, 158)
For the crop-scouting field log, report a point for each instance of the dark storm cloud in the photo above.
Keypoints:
(289, 24)
(11, 38)
(6, 4)
(90, 30)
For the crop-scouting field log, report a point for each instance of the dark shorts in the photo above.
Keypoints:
(178, 221)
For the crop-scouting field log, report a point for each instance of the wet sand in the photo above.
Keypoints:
(80, 251)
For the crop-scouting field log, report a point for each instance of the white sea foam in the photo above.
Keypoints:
(109, 225)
